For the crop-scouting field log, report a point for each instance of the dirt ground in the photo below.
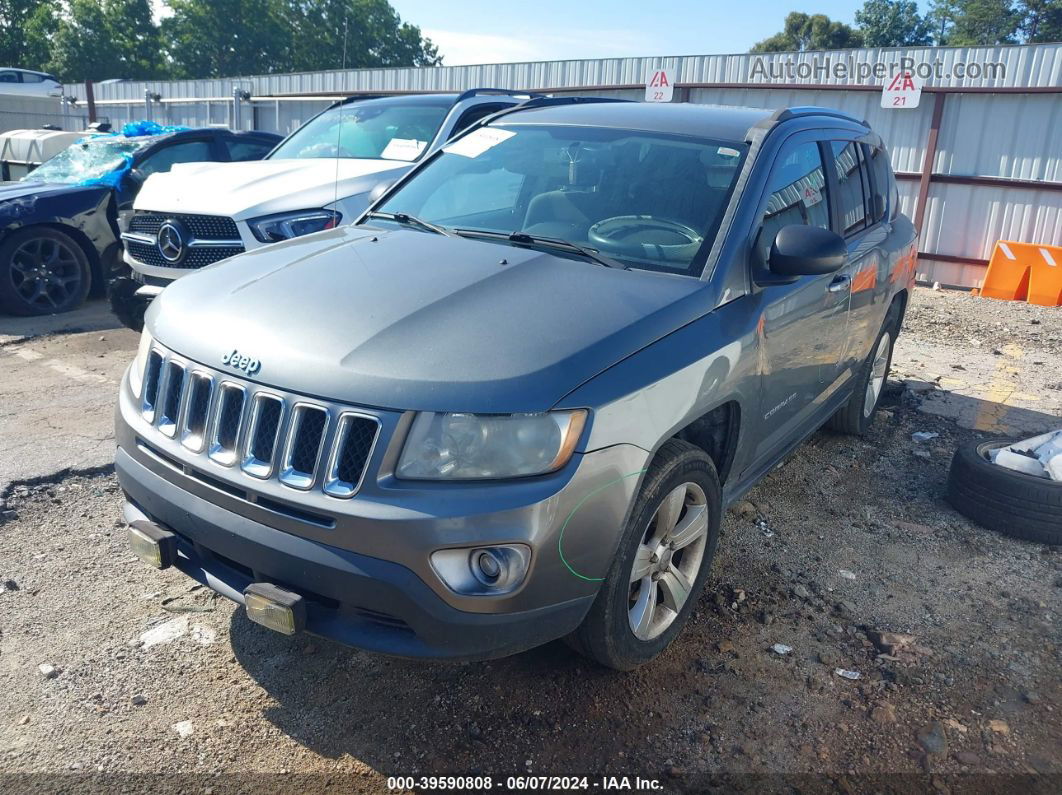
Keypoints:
(146, 673)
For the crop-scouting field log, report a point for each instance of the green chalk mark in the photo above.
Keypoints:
(560, 537)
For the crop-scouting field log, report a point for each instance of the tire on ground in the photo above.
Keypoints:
(850, 418)
(127, 307)
(1001, 499)
(76, 261)
(605, 634)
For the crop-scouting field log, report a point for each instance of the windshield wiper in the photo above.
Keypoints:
(410, 220)
(524, 239)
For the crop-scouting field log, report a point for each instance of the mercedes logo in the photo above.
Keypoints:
(170, 241)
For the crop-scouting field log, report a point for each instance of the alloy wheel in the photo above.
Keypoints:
(667, 561)
(45, 273)
(878, 371)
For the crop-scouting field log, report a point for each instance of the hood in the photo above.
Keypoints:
(411, 320)
(17, 190)
(261, 187)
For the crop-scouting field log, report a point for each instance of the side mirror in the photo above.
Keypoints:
(135, 178)
(380, 189)
(800, 250)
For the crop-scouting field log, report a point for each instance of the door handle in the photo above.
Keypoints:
(840, 283)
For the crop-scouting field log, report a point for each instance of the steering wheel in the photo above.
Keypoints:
(645, 236)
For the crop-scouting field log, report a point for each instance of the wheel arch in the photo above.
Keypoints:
(716, 433)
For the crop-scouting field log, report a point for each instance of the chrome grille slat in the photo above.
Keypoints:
(150, 387)
(299, 443)
(171, 391)
(196, 411)
(351, 450)
(302, 447)
(226, 423)
(263, 432)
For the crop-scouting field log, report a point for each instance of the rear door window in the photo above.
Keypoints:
(798, 194)
(852, 186)
(185, 152)
(240, 149)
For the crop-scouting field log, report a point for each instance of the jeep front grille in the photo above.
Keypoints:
(301, 444)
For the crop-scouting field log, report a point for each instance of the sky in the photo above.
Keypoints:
(481, 31)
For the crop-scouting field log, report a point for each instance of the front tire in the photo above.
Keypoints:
(661, 563)
(42, 272)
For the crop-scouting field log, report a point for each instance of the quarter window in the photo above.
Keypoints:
(852, 187)
(884, 182)
(247, 150)
(798, 194)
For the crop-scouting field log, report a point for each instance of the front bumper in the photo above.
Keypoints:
(355, 599)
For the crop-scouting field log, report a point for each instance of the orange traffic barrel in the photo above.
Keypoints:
(1025, 272)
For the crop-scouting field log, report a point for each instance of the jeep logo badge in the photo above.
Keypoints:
(240, 362)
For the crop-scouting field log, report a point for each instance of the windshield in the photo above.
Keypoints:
(649, 200)
(85, 160)
(375, 132)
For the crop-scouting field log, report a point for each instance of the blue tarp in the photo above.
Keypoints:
(134, 129)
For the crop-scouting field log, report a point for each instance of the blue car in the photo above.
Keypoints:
(59, 236)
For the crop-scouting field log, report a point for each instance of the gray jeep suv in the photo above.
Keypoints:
(511, 401)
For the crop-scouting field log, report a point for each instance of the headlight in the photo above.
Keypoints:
(136, 372)
(477, 446)
(284, 226)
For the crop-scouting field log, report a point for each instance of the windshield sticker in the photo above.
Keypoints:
(726, 151)
(478, 141)
(403, 149)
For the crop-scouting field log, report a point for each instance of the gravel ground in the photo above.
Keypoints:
(846, 540)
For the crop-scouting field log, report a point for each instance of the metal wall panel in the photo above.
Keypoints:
(1013, 136)
(1018, 136)
(967, 221)
(1038, 65)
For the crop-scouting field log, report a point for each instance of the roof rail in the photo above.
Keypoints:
(799, 111)
(504, 92)
(546, 102)
(355, 98)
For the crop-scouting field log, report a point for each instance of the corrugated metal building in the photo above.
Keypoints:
(980, 158)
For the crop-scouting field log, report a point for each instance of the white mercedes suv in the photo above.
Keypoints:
(318, 177)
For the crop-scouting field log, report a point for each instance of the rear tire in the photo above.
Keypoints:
(677, 515)
(1001, 499)
(43, 271)
(856, 416)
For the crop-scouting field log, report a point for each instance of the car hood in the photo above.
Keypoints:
(411, 320)
(17, 190)
(260, 187)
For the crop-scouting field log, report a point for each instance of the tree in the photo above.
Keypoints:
(23, 32)
(1041, 20)
(941, 17)
(981, 22)
(336, 34)
(226, 38)
(99, 39)
(814, 32)
(892, 23)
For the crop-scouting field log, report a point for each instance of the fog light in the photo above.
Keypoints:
(152, 544)
(483, 571)
(272, 607)
(487, 566)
